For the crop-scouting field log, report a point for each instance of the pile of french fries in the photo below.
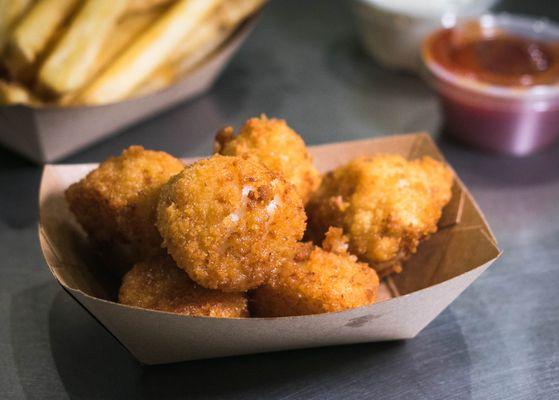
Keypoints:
(86, 52)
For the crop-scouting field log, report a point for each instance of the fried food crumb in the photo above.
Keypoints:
(385, 204)
(115, 203)
(230, 222)
(273, 143)
(335, 241)
(328, 280)
(159, 285)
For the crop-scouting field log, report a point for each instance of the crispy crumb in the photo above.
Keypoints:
(115, 203)
(318, 281)
(159, 285)
(385, 205)
(230, 222)
(277, 146)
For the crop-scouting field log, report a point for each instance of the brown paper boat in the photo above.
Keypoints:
(49, 133)
(446, 264)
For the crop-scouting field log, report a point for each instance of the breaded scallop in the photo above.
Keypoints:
(319, 280)
(115, 203)
(230, 222)
(159, 285)
(275, 145)
(385, 204)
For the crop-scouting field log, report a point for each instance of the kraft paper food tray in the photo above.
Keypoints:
(45, 134)
(444, 266)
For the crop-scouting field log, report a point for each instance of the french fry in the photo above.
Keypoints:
(200, 44)
(14, 93)
(160, 79)
(147, 52)
(72, 61)
(205, 42)
(10, 12)
(135, 6)
(227, 16)
(124, 33)
(34, 31)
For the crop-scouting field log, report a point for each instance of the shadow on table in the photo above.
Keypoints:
(57, 348)
(500, 171)
(90, 362)
(19, 180)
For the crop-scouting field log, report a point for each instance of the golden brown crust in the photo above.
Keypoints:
(335, 241)
(159, 285)
(385, 205)
(230, 222)
(115, 203)
(277, 146)
(326, 281)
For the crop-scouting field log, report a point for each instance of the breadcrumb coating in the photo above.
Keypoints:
(115, 203)
(159, 285)
(385, 204)
(230, 222)
(275, 145)
(321, 280)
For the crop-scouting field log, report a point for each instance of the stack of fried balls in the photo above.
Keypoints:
(223, 236)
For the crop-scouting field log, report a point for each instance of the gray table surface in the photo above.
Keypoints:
(498, 340)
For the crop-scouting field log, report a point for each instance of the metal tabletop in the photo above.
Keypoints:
(498, 340)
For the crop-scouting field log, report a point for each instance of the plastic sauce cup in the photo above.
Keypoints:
(515, 120)
(391, 31)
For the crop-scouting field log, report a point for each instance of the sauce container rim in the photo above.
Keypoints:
(537, 25)
(450, 14)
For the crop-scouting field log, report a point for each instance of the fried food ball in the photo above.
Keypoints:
(319, 280)
(275, 145)
(115, 203)
(159, 285)
(385, 204)
(230, 222)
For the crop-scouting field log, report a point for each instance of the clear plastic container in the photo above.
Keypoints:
(392, 30)
(515, 120)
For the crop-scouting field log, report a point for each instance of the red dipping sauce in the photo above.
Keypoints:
(498, 81)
